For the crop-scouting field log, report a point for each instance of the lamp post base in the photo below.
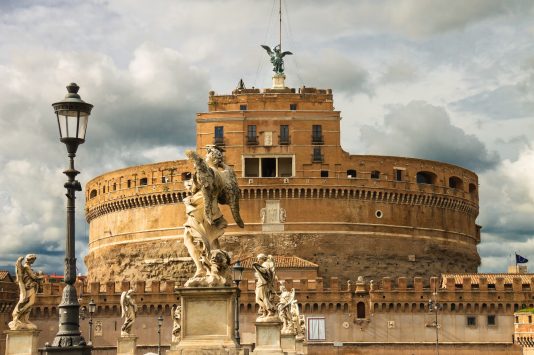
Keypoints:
(73, 350)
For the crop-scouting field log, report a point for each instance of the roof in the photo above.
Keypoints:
(5, 276)
(282, 262)
(492, 278)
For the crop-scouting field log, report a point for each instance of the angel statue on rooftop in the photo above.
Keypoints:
(277, 57)
(212, 183)
(28, 282)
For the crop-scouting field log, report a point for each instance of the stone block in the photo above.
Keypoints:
(288, 343)
(268, 340)
(22, 342)
(127, 345)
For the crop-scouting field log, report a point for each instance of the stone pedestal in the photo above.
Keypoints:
(268, 338)
(287, 341)
(279, 81)
(301, 347)
(21, 342)
(127, 345)
(207, 322)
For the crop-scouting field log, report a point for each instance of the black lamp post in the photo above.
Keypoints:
(160, 323)
(72, 117)
(237, 275)
(92, 310)
(435, 306)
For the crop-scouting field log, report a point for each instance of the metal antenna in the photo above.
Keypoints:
(280, 27)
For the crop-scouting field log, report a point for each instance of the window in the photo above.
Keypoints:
(351, 173)
(360, 310)
(316, 329)
(242, 107)
(129, 183)
(425, 177)
(397, 174)
(114, 186)
(103, 189)
(252, 167)
(251, 134)
(491, 319)
(284, 134)
(293, 107)
(529, 319)
(455, 182)
(143, 181)
(317, 134)
(219, 135)
(324, 173)
(186, 176)
(164, 180)
(92, 194)
(317, 156)
(268, 167)
(471, 321)
(516, 319)
(285, 167)
(472, 188)
(375, 174)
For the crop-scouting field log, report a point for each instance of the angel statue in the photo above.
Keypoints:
(285, 310)
(277, 57)
(28, 282)
(129, 311)
(213, 183)
(265, 288)
(176, 312)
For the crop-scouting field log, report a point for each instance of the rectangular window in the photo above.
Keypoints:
(491, 319)
(252, 167)
(143, 181)
(316, 329)
(285, 167)
(471, 321)
(242, 107)
(129, 183)
(268, 167)
(317, 156)
(284, 134)
(398, 174)
(251, 134)
(293, 107)
(324, 173)
(317, 134)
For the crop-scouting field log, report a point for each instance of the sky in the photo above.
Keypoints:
(444, 80)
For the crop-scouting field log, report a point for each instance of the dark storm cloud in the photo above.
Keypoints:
(419, 129)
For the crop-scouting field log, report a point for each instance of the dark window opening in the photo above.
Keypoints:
(375, 174)
(324, 173)
(471, 321)
(453, 307)
(252, 167)
(114, 186)
(491, 319)
(472, 188)
(425, 177)
(219, 135)
(129, 183)
(242, 107)
(285, 167)
(317, 134)
(284, 134)
(293, 107)
(164, 180)
(143, 182)
(92, 194)
(455, 182)
(251, 135)
(103, 189)
(351, 173)
(317, 156)
(529, 319)
(186, 176)
(360, 310)
(398, 175)
(268, 167)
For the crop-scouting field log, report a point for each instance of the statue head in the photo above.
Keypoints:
(261, 257)
(214, 154)
(283, 288)
(30, 258)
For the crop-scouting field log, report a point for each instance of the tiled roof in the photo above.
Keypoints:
(282, 262)
(4, 274)
(508, 278)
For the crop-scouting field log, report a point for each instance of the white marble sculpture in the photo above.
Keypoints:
(28, 282)
(176, 312)
(286, 309)
(129, 312)
(301, 327)
(265, 288)
(213, 183)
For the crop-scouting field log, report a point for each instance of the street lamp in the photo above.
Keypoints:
(435, 306)
(72, 117)
(160, 323)
(92, 310)
(237, 275)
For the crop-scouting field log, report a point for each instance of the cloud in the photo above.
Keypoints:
(421, 130)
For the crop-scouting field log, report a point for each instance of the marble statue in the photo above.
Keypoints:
(129, 311)
(213, 183)
(265, 288)
(301, 327)
(277, 58)
(28, 282)
(286, 309)
(176, 313)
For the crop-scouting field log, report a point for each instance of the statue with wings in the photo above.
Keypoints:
(28, 282)
(129, 312)
(212, 184)
(277, 57)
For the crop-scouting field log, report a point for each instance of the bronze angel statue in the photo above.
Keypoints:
(213, 183)
(277, 57)
(28, 282)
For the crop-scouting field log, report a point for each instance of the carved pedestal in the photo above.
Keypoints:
(126, 345)
(287, 341)
(278, 81)
(21, 342)
(301, 347)
(268, 338)
(207, 322)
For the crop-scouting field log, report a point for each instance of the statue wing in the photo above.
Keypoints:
(285, 53)
(230, 193)
(268, 49)
(123, 304)
(19, 272)
(205, 176)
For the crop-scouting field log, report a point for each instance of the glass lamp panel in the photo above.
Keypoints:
(68, 124)
(82, 127)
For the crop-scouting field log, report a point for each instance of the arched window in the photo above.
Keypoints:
(472, 188)
(426, 177)
(375, 174)
(351, 173)
(360, 310)
(456, 183)
(143, 181)
(92, 194)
